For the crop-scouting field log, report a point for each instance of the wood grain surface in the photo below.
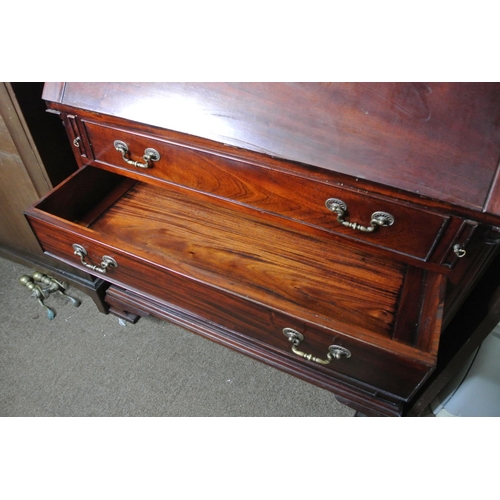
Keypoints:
(440, 140)
(256, 259)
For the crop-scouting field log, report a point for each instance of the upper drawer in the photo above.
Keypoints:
(403, 228)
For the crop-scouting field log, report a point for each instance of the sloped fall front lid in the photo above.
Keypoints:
(439, 140)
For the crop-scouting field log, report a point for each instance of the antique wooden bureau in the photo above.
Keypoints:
(329, 230)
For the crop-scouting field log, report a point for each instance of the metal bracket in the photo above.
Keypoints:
(42, 286)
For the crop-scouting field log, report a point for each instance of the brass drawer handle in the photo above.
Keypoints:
(334, 351)
(150, 154)
(102, 267)
(379, 219)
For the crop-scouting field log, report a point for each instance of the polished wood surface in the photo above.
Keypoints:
(249, 274)
(228, 233)
(440, 140)
(281, 193)
(258, 325)
(335, 284)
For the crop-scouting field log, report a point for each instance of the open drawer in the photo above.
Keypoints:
(189, 248)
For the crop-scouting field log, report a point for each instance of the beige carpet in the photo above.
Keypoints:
(87, 364)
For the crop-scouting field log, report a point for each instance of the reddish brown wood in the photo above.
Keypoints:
(411, 303)
(440, 140)
(415, 232)
(228, 234)
(77, 138)
(264, 161)
(244, 275)
(238, 252)
(397, 374)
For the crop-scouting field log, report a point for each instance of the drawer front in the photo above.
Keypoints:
(415, 232)
(250, 321)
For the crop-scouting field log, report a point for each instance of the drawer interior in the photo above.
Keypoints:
(85, 196)
(237, 250)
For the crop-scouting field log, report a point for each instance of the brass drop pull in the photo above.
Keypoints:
(334, 351)
(102, 267)
(379, 219)
(150, 154)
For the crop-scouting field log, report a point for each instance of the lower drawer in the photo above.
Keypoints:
(247, 276)
(379, 368)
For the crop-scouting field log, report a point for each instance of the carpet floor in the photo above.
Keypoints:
(87, 364)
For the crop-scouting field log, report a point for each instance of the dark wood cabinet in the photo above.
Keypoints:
(330, 230)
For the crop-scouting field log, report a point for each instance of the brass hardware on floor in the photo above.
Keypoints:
(42, 286)
(334, 351)
(378, 219)
(150, 154)
(37, 292)
(106, 261)
(55, 286)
